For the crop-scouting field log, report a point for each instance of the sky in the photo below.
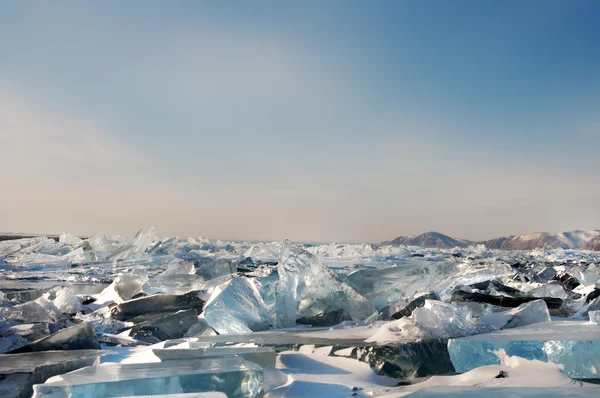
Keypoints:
(344, 121)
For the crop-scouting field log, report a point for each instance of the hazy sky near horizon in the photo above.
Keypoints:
(310, 120)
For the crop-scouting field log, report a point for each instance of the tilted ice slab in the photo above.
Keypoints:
(237, 307)
(233, 376)
(575, 345)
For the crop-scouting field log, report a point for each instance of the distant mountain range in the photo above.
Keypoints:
(589, 240)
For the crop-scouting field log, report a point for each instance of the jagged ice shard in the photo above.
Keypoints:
(308, 289)
(236, 307)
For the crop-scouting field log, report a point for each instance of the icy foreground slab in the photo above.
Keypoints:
(575, 345)
(309, 289)
(236, 308)
(262, 356)
(19, 372)
(234, 377)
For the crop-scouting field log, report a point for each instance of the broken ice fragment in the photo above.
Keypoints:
(397, 312)
(550, 290)
(172, 326)
(79, 337)
(442, 320)
(179, 277)
(26, 313)
(503, 301)
(123, 288)
(594, 317)
(525, 314)
(234, 377)
(66, 301)
(144, 308)
(237, 307)
(307, 288)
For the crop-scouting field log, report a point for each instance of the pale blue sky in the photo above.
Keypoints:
(314, 121)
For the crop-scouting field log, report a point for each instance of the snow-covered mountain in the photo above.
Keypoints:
(544, 240)
(589, 240)
(594, 243)
(429, 239)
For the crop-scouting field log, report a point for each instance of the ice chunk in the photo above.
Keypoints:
(180, 277)
(262, 356)
(594, 317)
(165, 328)
(231, 376)
(237, 307)
(12, 342)
(550, 290)
(79, 337)
(211, 268)
(383, 286)
(399, 310)
(31, 332)
(502, 301)
(144, 308)
(66, 301)
(124, 287)
(442, 320)
(70, 239)
(19, 372)
(23, 296)
(404, 361)
(307, 288)
(200, 328)
(525, 314)
(575, 345)
(143, 240)
(27, 313)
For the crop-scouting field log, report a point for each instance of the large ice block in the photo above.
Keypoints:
(307, 289)
(234, 377)
(576, 345)
(19, 372)
(237, 307)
